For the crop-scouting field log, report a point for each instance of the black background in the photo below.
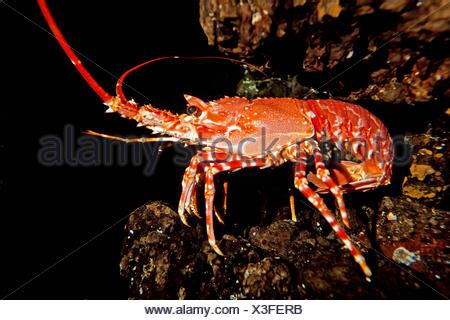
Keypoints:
(47, 212)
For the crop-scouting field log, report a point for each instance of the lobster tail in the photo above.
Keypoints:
(364, 136)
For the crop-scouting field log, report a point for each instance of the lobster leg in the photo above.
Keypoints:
(191, 201)
(301, 183)
(191, 204)
(188, 184)
(224, 204)
(188, 199)
(225, 197)
(210, 190)
(324, 175)
(209, 203)
(292, 205)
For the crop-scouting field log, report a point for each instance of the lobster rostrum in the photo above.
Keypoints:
(234, 132)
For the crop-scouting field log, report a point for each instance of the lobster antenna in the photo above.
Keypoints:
(129, 140)
(105, 96)
(120, 81)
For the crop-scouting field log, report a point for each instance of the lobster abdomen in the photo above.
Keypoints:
(359, 131)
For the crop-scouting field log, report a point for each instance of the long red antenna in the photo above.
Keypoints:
(119, 87)
(105, 96)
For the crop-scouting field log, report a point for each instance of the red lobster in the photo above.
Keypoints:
(232, 129)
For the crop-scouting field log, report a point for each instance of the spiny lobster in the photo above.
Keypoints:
(231, 131)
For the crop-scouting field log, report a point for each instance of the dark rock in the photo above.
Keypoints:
(416, 237)
(428, 179)
(339, 45)
(163, 259)
(160, 256)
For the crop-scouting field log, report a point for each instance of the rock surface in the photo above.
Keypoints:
(391, 51)
(163, 259)
(428, 179)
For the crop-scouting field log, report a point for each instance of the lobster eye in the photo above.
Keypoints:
(193, 110)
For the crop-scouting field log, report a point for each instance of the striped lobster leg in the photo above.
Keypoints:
(210, 171)
(301, 183)
(191, 204)
(323, 174)
(188, 185)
